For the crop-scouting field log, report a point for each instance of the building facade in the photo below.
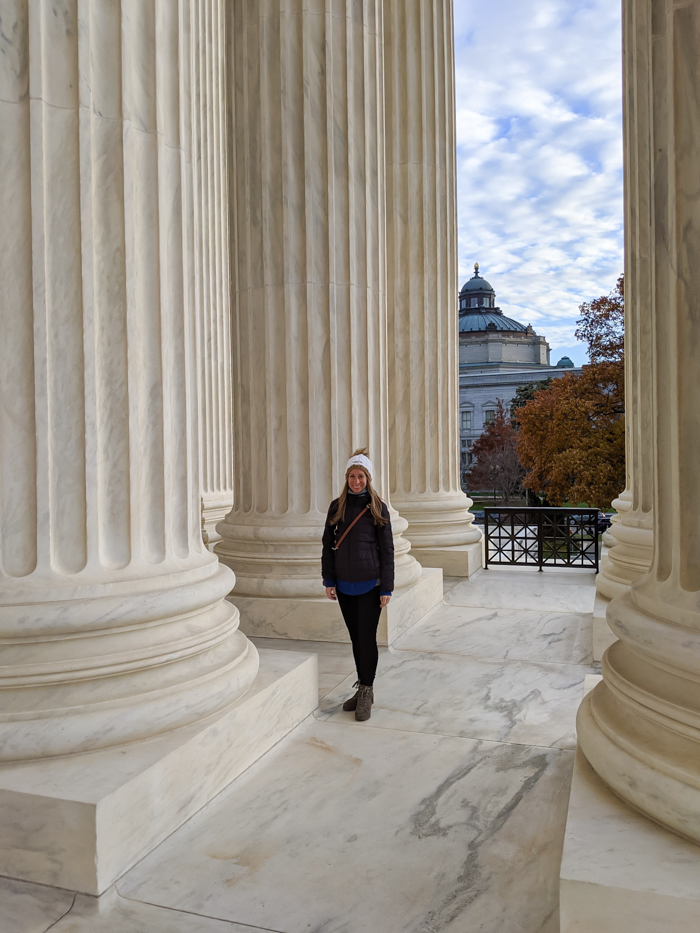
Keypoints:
(496, 355)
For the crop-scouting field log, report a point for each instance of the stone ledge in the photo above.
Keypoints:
(462, 561)
(620, 872)
(603, 636)
(81, 822)
(320, 619)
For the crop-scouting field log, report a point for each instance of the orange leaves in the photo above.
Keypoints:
(572, 437)
(602, 326)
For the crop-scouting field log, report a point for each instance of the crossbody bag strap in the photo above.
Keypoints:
(349, 528)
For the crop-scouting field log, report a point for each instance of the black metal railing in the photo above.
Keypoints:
(540, 537)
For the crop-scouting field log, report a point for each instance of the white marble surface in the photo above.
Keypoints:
(320, 619)
(452, 833)
(31, 908)
(526, 589)
(529, 703)
(449, 583)
(620, 872)
(115, 914)
(409, 604)
(462, 560)
(335, 661)
(80, 822)
(346, 829)
(516, 634)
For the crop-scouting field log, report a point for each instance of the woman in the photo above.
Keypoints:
(358, 570)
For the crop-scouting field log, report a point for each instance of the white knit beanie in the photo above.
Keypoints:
(360, 460)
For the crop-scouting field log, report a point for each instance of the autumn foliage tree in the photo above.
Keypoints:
(495, 462)
(572, 434)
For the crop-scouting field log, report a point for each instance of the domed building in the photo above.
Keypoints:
(496, 355)
(488, 338)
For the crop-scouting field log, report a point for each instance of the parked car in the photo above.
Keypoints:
(604, 521)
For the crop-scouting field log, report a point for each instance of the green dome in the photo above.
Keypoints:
(477, 284)
(565, 363)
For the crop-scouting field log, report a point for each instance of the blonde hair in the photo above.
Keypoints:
(375, 503)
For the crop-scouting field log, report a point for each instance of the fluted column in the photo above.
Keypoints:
(631, 536)
(113, 624)
(422, 285)
(640, 728)
(211, 252)
(309, 332)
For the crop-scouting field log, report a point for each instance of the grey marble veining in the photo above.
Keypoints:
(31, 908)
(522, 634)
(340, 830)
(502, 701)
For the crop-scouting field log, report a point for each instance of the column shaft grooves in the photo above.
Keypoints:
(112, 625)
(639, 728)
(310, 304)
(421, 286)
(18, 453)
(212, 268)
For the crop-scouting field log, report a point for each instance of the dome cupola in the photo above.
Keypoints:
(476, 293)
(478, 311)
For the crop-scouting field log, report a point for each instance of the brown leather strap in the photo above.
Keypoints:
(349, 528)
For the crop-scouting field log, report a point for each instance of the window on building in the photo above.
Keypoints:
(466, 421)
(489, 416)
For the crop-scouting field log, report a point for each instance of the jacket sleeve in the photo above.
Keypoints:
(385, 543)
(328, 555)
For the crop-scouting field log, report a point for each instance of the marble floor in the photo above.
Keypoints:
(444, 813)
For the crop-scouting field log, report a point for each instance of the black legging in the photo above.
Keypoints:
(361, 615)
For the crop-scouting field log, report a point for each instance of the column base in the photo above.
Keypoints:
(214, 510)
(621, 873)
(319, 619)
(461, 561)
(603, 636)
(80, 822)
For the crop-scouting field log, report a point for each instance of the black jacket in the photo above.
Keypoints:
(367, 553)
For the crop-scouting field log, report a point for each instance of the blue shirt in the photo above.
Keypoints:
(354, 589)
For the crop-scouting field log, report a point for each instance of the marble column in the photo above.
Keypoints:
(113, 623)
(422, 285)
(631, 543)
(211, 254)
(309, 322)
(640, 728)
(622, 504)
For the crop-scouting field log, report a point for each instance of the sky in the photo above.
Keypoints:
(539, 156)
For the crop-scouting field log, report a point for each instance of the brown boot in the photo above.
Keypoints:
(351, 704)
(365, 699)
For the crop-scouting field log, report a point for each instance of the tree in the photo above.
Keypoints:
(523, 394)
(571, 435)
(496, 464)
(602, 326)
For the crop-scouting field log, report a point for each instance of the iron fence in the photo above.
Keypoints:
(541, 537)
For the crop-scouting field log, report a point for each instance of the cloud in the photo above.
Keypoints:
(539, 155)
